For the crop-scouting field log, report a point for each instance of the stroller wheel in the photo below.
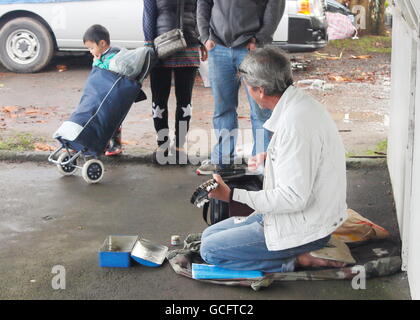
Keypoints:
(67, 169)
(93, 171)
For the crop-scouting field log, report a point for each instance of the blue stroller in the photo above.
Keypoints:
(106, 100)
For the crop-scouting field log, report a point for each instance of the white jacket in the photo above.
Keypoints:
(304, 193)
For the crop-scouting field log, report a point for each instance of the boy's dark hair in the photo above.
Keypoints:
(96, 33)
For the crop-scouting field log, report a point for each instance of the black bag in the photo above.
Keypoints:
(220, 210)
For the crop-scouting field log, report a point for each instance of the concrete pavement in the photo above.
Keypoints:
(49, 220)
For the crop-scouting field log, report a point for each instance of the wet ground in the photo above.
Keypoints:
(356, 92)
(48, 220)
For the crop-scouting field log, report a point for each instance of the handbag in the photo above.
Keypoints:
(220, 210)
(172, 41)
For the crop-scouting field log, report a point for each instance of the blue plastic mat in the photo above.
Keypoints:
(205, 271)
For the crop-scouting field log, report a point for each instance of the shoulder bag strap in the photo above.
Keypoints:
(180, 13)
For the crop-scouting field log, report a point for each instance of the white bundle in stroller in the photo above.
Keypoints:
(130, 63)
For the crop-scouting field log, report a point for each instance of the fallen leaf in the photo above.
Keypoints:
(129, 142)
(361, 57)
(339, 78)
(335, 57)
(320, 54)
(43, 147)
(31, 111)
(61, 67)
(10, 109)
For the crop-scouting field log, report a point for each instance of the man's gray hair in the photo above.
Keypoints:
(269, 68)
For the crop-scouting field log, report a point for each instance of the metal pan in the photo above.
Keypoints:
(148, 253)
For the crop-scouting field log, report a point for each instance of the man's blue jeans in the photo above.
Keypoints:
(241, 246)
(223, 73)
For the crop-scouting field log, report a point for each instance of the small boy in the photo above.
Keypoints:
(97, 40)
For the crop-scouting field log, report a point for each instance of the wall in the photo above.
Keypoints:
(404, 133)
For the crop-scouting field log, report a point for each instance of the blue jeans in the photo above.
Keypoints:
(223, 73)
(241, 246)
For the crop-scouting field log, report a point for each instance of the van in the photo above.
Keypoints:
(32, 31)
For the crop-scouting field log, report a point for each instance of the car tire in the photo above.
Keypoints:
(26, 45)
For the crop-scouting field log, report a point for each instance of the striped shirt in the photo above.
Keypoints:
(188, 57)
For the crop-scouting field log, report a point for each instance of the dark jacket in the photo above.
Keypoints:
(234, 22)
(160, 16)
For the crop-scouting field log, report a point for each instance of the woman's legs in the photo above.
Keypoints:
(184, 84)
(160, 83)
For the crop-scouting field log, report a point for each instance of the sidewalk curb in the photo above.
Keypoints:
(365, 163)
(40, 156)
(146, 158)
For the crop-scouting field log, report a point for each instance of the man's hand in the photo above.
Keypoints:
(222, 192)
(256, 161)
(252, 44)
(204, 54)
(210, 44)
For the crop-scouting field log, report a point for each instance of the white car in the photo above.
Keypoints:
(32, 31)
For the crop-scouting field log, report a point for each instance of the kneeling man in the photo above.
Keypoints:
(304, 195)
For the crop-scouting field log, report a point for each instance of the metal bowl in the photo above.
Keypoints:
(148, 253)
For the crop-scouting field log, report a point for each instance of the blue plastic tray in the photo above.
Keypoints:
(120, 254)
